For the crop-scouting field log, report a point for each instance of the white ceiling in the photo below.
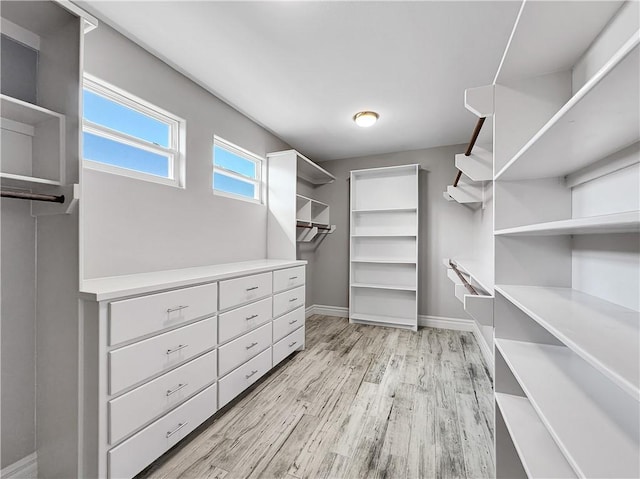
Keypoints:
(303, 69)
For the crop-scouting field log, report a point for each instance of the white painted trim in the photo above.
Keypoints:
(325, 310)
(25, 468)
(485, 349)
(456, 324)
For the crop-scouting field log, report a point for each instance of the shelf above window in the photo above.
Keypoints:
(600, 119)
(538, 452)
(594, 425)
(602, 333)
(307, 170)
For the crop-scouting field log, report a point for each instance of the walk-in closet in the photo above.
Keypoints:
(300, 240)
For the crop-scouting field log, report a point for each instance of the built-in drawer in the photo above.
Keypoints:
(130, 411)
(241, 320)
(289, 344)
(237, 381)
(234, 292)
(287, 301)
(284, 279)
(239, 350)
(137, 452)
(132, 318)
(288, 323)
(136, 362)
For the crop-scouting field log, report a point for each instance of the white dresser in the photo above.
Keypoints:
(162, 352)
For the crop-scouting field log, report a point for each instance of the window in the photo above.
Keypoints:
(127, 136)
(236, 172)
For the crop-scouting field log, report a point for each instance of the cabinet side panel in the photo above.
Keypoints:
(281, 222)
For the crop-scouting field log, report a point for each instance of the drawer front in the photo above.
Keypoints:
(241, 320)
(234, 383)
(287, 301)
(132, 318)
(284, 279)
(234, 292)
(137, 452)
(286, 346)
(136, 362)
(132, 410)
(244, 348)
(288, 323)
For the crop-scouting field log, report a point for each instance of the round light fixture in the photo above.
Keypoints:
(365, 118)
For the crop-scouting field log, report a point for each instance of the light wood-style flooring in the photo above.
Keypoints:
(359, 402)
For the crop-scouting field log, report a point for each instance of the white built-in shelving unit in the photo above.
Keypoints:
(295, 218)
(384, 246)
(567, 245)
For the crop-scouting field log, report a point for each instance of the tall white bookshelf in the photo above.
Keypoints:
(384, 246)
(567, 245)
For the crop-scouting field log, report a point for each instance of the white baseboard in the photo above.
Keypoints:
(25, 468)
(456, 324)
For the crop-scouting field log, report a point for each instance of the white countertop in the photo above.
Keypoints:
(114, 287)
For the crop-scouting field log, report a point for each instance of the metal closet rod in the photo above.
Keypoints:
(311, 225)
(472, 143)
(32, 196)
(466, 283)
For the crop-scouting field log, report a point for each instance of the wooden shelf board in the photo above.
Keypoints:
(627, 222)
(473, 269)
(383, 286)
(602, 333)
(384, 260)
(384, 210)
(24, 112)
(595, 426)
(600, 119)
(24, 181)
(538, 452)
(387, 235)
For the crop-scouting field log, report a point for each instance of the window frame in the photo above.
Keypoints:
(175, 152)
(259, 161)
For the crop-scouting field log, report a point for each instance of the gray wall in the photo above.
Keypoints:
(445, 230)
(18, 330)
(135, 226)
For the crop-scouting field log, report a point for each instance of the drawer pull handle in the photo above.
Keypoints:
(293, 299)
(177, 308)
(178, 388)
(251, 345)
(180, 426)
(252, 288)
(293, 344)
(294, 321)
(293, 277)
(175, 350)
(252, 373)
(251, 317)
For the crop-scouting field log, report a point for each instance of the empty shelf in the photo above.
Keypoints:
(383, 210)
(602, 333)
(628, 222)
(600, 119)
(386, 320)
(384, 286)
(475, 270)
(594, 425)
(384, 260)
(538, 452)
(385, 235)
(9, 179)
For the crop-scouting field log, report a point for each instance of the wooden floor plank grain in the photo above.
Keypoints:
(359, 402)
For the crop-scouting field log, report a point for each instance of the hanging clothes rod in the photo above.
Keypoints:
(472, 143)
(466, 283)
(312, 225)
(32, 196)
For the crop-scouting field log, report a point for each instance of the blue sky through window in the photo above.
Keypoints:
(232, 185)
(105, 112)
(230, 161)
(104, 150)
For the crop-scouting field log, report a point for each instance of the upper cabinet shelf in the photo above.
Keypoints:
(307, 170)
(600, 119)
(33, 144)
(569, 28)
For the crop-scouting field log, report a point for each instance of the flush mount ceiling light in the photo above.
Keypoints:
(365, 118)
